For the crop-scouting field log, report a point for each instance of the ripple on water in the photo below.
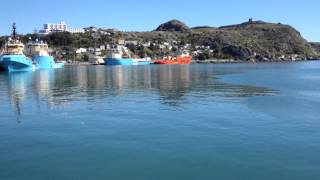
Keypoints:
(160, 122)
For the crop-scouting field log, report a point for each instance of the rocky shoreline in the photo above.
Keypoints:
(231, 61)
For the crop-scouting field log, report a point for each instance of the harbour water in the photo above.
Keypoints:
(226, 121)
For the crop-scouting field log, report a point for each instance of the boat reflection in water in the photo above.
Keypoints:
(17, 89)
(171, 85)
(37, 88)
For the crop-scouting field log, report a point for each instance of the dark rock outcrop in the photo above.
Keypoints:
(237, 52)
(174, 26)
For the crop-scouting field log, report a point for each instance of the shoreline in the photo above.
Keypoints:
(230, 61)
(212, 61)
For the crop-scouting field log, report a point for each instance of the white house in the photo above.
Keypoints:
(121, 42)
(81, 50)
(132, 42)
(75, 30)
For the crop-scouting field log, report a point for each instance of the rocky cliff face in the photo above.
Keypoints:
(256, 40)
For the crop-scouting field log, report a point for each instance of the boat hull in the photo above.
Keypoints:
(46, 62)
(178, 60)
(13, 63)
(121, 61)
(141, 62)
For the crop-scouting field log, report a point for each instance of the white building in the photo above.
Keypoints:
(81, 50)
(102, 47)
(75, 30)
(59, 27)
(146, 44)
(131, 42)
(121, 42)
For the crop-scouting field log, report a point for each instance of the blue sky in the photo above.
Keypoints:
(144, 15)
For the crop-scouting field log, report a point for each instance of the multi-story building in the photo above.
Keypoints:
(59, 27)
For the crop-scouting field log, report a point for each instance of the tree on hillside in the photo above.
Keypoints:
(60, 39)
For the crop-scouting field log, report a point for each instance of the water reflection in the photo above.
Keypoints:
(17, 89)
(171, 84)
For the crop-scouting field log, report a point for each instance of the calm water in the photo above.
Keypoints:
(238, 121)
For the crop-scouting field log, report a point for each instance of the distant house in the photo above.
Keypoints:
(97, 53)
(146, 44)
(166, 43)
(81, 50)
(75, 30)
(121, 42)
(161, 46)
(108, 46)
(131, 43)
(187, 46)
(103, 32)
(90, 29)
(174, 42)
(91, 49)
(103, 47)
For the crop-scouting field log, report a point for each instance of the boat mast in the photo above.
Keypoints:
(14, 31)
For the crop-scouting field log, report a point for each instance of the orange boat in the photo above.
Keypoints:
(182, 59)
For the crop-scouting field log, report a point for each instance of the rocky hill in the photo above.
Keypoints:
(252, 40)
(174, 26)
(256, 40)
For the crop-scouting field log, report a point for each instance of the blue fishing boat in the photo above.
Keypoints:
(38, 51)
(120, 55)
(13, 58)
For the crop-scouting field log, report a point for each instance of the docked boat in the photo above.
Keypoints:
(143, 61)
(13, 57)
(120, 55)
(181, 59)
(38, 51)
